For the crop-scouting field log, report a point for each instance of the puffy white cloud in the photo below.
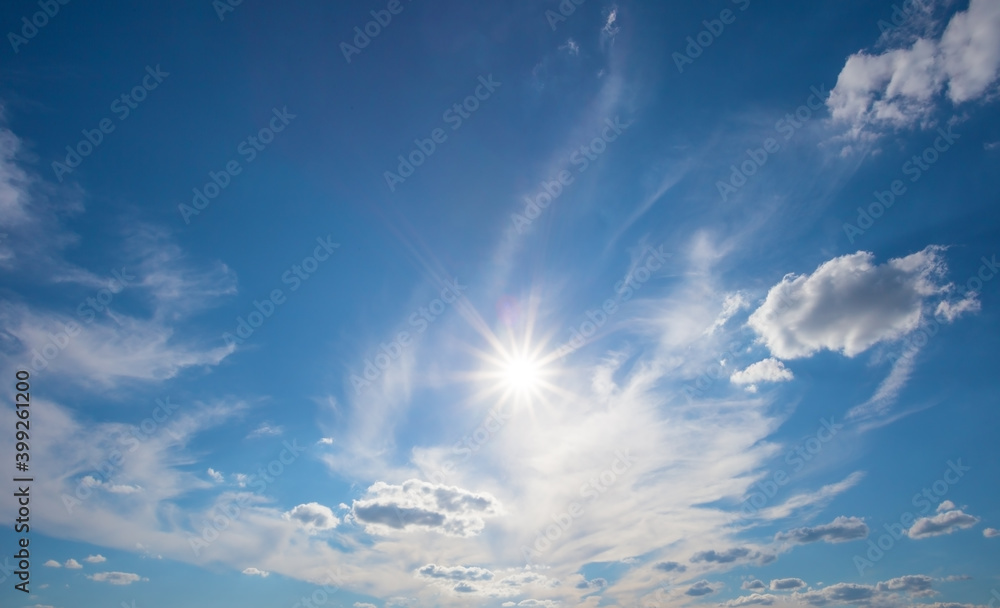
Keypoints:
(991, 533)
(768, 370)
(313, 517)
(215, 475)
(945, 522)
(419, 504)
(116, 578)
(256, 572)
(95, 559)
(72, 564)
(849, 304)
(52, 564)
(455, 573)
(840, 530)
(900, 87)
(754, 599)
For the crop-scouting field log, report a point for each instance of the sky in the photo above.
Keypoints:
(532, 303)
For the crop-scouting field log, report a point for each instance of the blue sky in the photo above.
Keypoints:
(531, 303)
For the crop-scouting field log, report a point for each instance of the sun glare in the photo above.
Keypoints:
(522, 374)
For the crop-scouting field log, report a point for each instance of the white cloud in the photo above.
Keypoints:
(899, 88)
(52, 564)
(455, 573)
(418, 504)
(116, 578)
(325, 441)
(768, 370)
(754, 599)
(256, 572)
(849, 304)
(95, 559)
(72, 564)
(265, 430)
(991, 532)
(945, 522)
(216, 476)
(313, 516)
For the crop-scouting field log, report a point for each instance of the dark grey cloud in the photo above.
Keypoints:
(670, 567)
(701, 588)
(841, 529)
(724, 557)
(785, 584)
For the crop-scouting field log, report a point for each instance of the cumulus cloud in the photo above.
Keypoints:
(901, 87)
(116, 578)
(754, 599)
(455, 573)
(95, 559)
(849, 304)
(72, 564)
(256, 572)
(593, 585)
(52, 564)
(419, 504)
(702, 587)
(991, 532)
(768, 370)
(670, 567)
(753, 584)
(724, 557)
(945, 522)
(786, 584)
(917, 584)
(841, 593)
(215, 475)
(313, 516)
(841, 529)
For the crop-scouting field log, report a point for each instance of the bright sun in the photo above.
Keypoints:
(521, 374)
